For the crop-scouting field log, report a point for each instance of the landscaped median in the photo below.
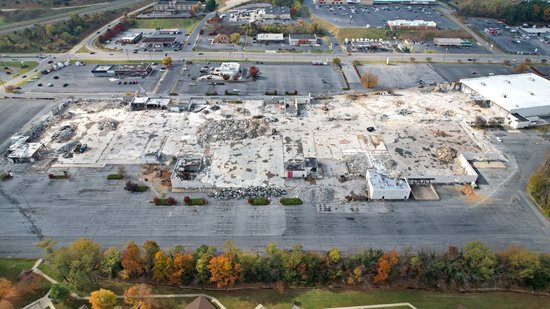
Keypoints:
(290, 201)
(258, 201)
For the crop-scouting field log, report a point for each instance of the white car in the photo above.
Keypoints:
(499, 139)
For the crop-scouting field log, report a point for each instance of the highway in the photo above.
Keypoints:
(65, 16)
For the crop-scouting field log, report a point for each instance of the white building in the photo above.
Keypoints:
(227, 68)
(533, 31)
(382, 187)
(523, 94)
(270, 38)
(411, 24)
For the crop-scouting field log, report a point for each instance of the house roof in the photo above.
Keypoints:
(200, 303)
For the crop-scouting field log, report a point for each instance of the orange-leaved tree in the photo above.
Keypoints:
(102, 299)
(385, 264)
(132, 263)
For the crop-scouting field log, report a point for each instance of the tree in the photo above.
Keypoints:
(384, 266)
(203, 255)
(253, 72)
(150, 248)
(132, 262)
(210, 5)
(480, 260)
(223, 271)
(5, 287)
(160, 267)
(336, 61)
(103, 299)
(196, 8)
(412, 59)
(523, 263)
(9, 88)
(182, 268)
(47, 245)
(111, 262)
(59, 293)
(235, 38)
(546, 14)
(356, 62)
(138, 297)
(78, 263)
(369, 80)
(167, 61)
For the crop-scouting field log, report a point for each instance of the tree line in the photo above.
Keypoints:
(56, 37)
(83, 263)
(512, 12)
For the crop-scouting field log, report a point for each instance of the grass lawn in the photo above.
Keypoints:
(83, 49)
(2, 21)
(333, 298)
(24, 67)
(167, 23)
(50, 272)
(11, 268)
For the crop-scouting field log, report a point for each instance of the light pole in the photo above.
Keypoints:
(445, 54)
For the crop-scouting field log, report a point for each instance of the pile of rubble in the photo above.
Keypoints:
(64, 133)
(159, 172)
(240, 193)
(439, 133)
(319, 194)
(358, 164)
(446, 154)
(107, 124)
(94, 106)
(230, 130)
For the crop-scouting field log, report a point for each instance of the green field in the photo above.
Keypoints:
(168, 23)
(2, 21)
(11, 268)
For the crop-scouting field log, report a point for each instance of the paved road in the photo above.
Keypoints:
(65, 16)
(32, 206)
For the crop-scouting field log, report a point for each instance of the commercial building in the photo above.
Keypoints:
(227, 68)
(302, 39)
(371, 2)
(169, 31)
(411, 24)
(452, 42)
(266, 38)
(275, 13)
(382, 187)
(107, 70)
(110, 70)
(159, 42)
(523, 94)
(131, 38)
(544, 31)
(173, 6)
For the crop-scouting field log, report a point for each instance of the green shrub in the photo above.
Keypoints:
(59, 293)
(271, 92)
(5, 176)
(164, 201)
(258, 201)
(115, 176)
(134, 187)
(200, 201)
(287, 201)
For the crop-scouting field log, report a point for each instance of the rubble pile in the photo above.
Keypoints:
(357, 164)
(107, 124)
(446, 154)
(320, 193)
(64, 134)
(229, 129)
(242, 111)
(439, 133)
(94, 106)
(67, 147)
(240, 193)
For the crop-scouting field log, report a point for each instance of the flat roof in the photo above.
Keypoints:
(303, 36)
(449, 41)
(270, 36)
(381, 181)
(536, 30)
(164, 39)
(419, 23)
(104, 68)
(512, 92)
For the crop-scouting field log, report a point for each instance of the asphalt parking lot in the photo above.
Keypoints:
(280, 77)
(508, 41)
(455, 72)
(378, 15)
(79, 79)
(14, 114)
(400, 76)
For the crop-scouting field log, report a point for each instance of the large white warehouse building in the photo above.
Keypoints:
(527, 95)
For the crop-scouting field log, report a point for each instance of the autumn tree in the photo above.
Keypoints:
(480, 260)
(196, 8)
(103, 299)
(5, 287)
(369, 80)
(150, 248)
(139, 297)
(225, 269)
(167, 61)
(336, 61)
(160, 266)
(78, 263)
(334, 265)
(203, 255)
(132, 262)
(235, 38)
(384, 266)
(523, 264)
(47, 245)
(181, 268)
(253, 72)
